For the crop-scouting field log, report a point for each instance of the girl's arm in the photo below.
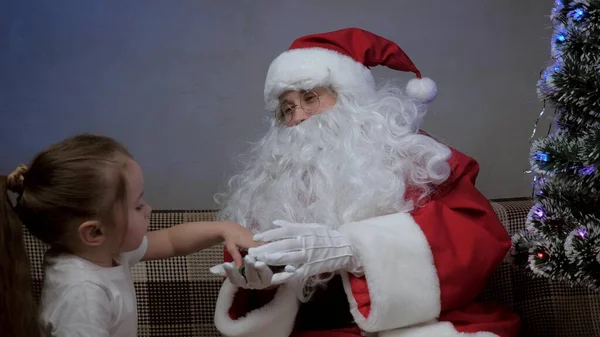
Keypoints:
(192, 237)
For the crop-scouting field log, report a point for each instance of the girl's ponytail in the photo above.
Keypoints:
(19, 315)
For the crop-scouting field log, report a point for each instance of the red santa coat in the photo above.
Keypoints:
(422, 273)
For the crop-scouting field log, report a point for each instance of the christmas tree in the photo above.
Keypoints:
(561, 240)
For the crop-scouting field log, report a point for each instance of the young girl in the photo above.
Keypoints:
(84, 197)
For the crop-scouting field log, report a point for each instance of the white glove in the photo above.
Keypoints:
(317, 249)
(256, 274)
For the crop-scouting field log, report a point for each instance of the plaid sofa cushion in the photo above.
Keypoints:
(176, 297)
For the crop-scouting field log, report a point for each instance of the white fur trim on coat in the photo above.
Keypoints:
(398, 265)
(276, 319)
(313, 67)
(433, 329)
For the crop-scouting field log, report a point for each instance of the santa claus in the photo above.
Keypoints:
(372, 227)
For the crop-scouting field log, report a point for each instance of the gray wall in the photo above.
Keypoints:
(180, 82)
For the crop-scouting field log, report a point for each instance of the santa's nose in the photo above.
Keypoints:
(299, 116)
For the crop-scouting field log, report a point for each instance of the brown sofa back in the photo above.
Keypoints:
(176, 297)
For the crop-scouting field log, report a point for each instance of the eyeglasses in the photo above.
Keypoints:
(309, 102)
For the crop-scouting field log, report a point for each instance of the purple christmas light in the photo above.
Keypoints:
(587, 170)
(539, 212)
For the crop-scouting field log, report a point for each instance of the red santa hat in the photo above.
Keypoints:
(341, 59)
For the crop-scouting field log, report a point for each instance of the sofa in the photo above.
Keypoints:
(176, 297)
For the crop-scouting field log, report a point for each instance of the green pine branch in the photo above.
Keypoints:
(561, 240)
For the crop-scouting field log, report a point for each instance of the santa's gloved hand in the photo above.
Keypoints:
(253, 274)
(315, 248)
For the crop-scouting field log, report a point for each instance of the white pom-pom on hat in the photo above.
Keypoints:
(422, 89)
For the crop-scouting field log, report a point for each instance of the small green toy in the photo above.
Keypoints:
(242, 270)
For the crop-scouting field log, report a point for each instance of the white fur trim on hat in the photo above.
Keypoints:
(312, 67)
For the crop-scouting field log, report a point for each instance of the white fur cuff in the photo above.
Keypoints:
(433, 329)
(276, 319)
(401, 276)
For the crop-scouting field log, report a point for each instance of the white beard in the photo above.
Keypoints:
(350, 163)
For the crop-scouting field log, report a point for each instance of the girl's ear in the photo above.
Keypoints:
(91, 233)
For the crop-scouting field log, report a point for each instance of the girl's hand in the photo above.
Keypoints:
(237, 238)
